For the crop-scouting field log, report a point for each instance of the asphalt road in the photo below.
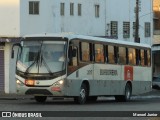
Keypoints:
(105, 106)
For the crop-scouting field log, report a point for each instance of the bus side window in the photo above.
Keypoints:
(99, 53)
(75, 56)
(149, 57)
(142, 57)
(131, 56)
(111, 55)
(122, 55)
(85, 52)
(72, 57)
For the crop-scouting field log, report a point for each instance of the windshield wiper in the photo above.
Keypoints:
(35, 61)
(38, 61)
(42, 60)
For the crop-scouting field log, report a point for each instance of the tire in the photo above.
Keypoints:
(127, 94)
(81, 99)
(40, 99)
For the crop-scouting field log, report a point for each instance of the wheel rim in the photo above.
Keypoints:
(128, 94)
(82, 94)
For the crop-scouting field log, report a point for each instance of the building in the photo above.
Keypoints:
(111, 18)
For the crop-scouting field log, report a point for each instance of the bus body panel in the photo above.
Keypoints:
(103, 78)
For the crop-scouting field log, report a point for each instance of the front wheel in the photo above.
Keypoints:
(81, 99)
(127, 94)
(40, 99)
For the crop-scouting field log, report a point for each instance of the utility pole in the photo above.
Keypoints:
(137, 38)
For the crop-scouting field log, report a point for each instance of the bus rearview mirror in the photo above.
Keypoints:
(16, 44)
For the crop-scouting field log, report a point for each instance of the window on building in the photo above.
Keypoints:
(114, 29)
(132, 56)
(85, 51)
(126, 29)
(99, 53)
(34, 7)
(147, 29)
(79, 9)
(97, 10)
(71, 8)
(122, 55)
(62, 8)
(111, 56)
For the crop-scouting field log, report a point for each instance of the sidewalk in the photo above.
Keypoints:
(4, 96)
(153, 94)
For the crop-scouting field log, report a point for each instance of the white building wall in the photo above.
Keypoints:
(7, 67)
(9, 18)
(146, 15)
(124, 10)
(87, 23)
(16, 21)
(12, 68)
(50, 20)
(32, 24)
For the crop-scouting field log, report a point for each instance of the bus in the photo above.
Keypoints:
(81, 67)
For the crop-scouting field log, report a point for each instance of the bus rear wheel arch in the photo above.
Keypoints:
(127, 93)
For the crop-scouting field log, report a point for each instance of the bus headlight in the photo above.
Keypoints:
(19, 82)
(57, 86)
(58, 83)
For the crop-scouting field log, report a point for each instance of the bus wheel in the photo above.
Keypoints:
(127, 94)
(40, 99)
(81, 99)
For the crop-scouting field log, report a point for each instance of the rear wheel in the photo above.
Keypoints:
(127, 94)
(40, 99)
(81, 99)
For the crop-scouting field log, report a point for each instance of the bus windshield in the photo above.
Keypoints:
(42, 57)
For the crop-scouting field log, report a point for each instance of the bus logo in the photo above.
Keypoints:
(37, 82)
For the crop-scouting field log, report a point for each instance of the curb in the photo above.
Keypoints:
(14, 97)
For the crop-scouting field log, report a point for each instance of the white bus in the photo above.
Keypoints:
(82, 67)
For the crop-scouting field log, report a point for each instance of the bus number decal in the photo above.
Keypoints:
(89, 72)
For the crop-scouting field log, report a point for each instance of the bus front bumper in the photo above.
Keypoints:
(40, 91)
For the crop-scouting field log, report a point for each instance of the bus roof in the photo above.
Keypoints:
(72, 36)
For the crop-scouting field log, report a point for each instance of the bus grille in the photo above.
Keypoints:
(38, 92)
